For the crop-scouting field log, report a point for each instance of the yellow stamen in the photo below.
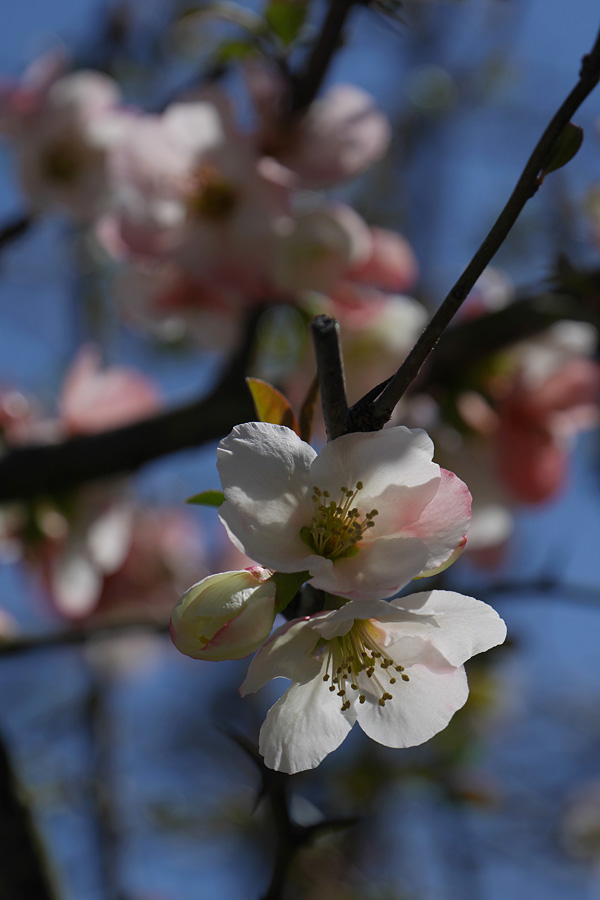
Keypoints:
(337, 528)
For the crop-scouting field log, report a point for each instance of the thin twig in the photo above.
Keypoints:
(305, 86)
(330, 368)
(372, 415)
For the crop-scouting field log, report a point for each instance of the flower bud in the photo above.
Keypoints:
(225, 616)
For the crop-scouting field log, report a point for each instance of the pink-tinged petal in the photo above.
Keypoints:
(287, 654)
(391, 265)
(303, 727)
(225, 616)
(421, 707)
(444, 522)
(93, 399)
(463, 626)
(341, 135)
(265, 470)
(379, 569)
(429, 573)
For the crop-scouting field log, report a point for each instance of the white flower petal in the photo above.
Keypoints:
(399, 456)
(303, 727)
(421, 707)
(378, 570)
(109, 538)
(465, 626)
(287, 654)
(264, 470)
(341, 620)
(444, 522)
(76, 583)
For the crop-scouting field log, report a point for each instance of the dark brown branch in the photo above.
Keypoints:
(488, 334)
(42, 469)
(14, 229)
(371, 415)
(23, 862)
(78, 634)
(330, 368)
(305, 85)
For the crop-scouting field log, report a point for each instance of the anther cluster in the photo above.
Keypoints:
(357, 653)
(337, 527)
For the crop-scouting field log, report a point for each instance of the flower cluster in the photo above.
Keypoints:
(357, 521)
(202, 217)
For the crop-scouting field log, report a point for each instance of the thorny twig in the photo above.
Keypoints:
(372, 414)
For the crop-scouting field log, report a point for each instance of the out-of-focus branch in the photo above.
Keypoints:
(371, 415)
(14, 229)
(290, 836)
(330, 369)
(78, 634)
(23, 863)
(29, 471)
(488, 334)
(306, 84)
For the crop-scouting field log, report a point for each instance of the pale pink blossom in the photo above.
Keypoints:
(395, 668)
(225, 616)
(189, 187)
(94, 399)
(81, 546)
(362, 518)
(165, 552)
(63, 139)
(390, 265)
(536, 426)
(315, 249)
(161, 298)
(342, 133)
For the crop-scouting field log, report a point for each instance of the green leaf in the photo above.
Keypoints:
(306, 536)
(229, 51)
(288, 584)
(207, 498)
(271, 405)
(285, 18)
(566, 146)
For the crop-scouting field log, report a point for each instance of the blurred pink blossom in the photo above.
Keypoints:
(62, 128)
(93, 399)
(189, 188)
(342, 133)
(536, 425)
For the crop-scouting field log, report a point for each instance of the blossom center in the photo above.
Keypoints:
(211, 196)
(63, 160)
(358, 655)
(337, 527)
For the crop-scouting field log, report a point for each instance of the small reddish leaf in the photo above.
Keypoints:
(271, 405)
